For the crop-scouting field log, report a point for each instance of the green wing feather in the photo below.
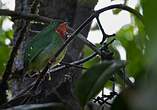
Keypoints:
(42, 58)
(39, 44)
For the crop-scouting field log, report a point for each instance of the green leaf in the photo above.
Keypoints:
(135, 55)
(114, 49)
(150, 22)
(4, 56)
(139, 31)
(87, 51)
(145, 98)
(125, 34)
(94, 79)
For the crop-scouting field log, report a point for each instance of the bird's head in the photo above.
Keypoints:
(62, 29)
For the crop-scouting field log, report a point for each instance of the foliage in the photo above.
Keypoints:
(4, 47)
(135, 54)
(94, 79)
(143, 96)
(91, 62)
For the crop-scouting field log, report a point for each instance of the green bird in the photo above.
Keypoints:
(44, 45)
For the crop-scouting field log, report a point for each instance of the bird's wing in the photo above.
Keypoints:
(37, 45)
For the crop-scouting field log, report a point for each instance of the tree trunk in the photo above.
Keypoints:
(59, 89)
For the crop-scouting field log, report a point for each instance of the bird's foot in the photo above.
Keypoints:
(33, 75)
(72, 65)
(49, 75)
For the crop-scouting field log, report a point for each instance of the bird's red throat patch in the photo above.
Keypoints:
(62, 29)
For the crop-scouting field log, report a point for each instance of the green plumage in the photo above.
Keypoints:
(42, 47)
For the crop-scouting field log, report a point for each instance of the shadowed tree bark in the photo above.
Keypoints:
(60, 88)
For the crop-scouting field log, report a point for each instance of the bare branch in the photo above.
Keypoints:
(16, 15)
(102, 30)
(123, 7)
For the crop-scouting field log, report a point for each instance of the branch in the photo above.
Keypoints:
(17, 15)
(123, 7)
(34, 6)
(81, 61)
(102, 30)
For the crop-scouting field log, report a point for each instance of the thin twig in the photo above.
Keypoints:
(124, 76)
(124, 7)
(34, 6)
(102, 30)
(125, 2)
(81, 61)
(74, 63)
